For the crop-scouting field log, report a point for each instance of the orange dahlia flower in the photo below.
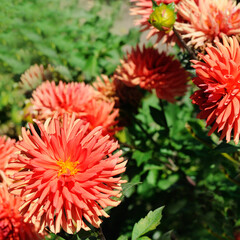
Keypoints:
(63, 98)
(67, 175)
(153, 70)
(219, 94)
(208, 20)
(12, 226)
(7, 150)
(144, 9)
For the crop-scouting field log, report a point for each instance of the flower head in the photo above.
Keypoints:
(63, 98)
(68, 176)
(219, 94)
(101, 113)
(33, 77)
(208, 20)
(106, 89)
(7, 150)
(153, 70)
(12, 226)
(144, 9)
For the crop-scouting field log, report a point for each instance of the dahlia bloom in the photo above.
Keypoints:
(153, 70)
(75, 98)
(101, 113)
(207, 20)
(48, 98)
(7, 150)
(33, 77)
(144, 9)
(106, 89)
(67, 175)
(219, 94)
(12, 226)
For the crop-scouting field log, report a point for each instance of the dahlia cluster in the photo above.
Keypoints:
(199, 21)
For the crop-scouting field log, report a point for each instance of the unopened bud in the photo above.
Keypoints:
(163, 17)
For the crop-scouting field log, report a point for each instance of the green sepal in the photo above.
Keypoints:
(154, 5)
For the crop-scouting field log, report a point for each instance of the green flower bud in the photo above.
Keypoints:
(163, 17)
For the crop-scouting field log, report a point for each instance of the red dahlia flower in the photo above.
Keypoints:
(153, 70)
(218, 78)
(12, 226)
(7, 150)
(67, 175)
(144, 9)
(208, 20)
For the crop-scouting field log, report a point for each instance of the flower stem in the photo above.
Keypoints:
(101, 235)
(190, 51)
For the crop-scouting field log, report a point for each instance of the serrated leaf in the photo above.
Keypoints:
(147, 224)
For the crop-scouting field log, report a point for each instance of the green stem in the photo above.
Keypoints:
(101, 235)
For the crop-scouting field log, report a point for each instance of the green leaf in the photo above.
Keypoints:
(167, 236)
(226, 148)
(147, 224)
(167, 183)
(123, 237)
(141, 157)
(159, 117)
(144, 238)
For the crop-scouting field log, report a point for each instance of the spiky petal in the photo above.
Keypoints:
(7, 150)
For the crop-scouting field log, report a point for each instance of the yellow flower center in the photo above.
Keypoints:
(67, 167)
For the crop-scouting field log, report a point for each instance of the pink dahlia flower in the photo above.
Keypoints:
(144, 9)
(208, 20)
(63, 98)
(219, 94)
(12, 226)
(68, 176)
(153, 70)
(7, 150)
(75, 98)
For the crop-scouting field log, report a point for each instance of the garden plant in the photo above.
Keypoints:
(119, 136)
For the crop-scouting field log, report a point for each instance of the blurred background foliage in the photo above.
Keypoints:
(172, 162)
